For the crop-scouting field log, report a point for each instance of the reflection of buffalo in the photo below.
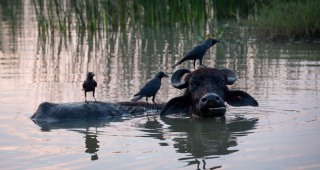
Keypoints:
(83, 127)
(201, 138)
(206, 92)
(51, 112)
(198, 138)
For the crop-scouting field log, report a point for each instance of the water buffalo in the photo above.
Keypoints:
(206, 93)
(53, 112)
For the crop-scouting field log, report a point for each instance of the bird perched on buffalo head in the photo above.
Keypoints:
(198, 52)
(151, 88)
(89, 85)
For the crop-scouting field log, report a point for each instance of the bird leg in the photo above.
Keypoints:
(85, 96)
(93, 96)
(154, 102)
(147, 105)
(204, 164)
(194, 64)
(200, 60)
(198, 162)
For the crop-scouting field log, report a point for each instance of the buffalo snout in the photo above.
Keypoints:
(211, 105)
(211, 99)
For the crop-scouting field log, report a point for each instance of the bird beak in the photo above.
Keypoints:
(166, 76)
(220, 41)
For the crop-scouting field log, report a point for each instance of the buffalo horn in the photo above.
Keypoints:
(231, 77)
(176, 78)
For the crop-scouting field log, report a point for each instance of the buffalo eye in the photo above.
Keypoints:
(192, 85)
(221, 82)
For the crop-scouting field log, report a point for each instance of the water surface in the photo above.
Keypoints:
(282, 133)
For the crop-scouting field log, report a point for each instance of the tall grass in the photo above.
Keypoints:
(11, 13)
(299, 19)
(97, 15)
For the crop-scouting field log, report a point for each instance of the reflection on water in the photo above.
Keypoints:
(283, 77)
(88, 128)
(200, 138)
(92, 146)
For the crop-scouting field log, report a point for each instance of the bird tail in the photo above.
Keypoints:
(136, 98)
(179, 62)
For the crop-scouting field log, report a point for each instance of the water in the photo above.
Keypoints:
(282, 133)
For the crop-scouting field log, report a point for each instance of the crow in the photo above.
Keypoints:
(151, 88)
(198, 52)
(89, 85)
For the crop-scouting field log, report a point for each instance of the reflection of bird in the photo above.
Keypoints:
(151, 88)
(198, 52)
(89, 85)
(92, 145)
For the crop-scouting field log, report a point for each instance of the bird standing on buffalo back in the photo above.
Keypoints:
(89, 85)
(151, 88)
(198, 52)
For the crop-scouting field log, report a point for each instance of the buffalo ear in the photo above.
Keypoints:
(176, 105)
(240, 98)
(230, 76)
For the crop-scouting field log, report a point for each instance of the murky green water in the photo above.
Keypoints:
(282, 133)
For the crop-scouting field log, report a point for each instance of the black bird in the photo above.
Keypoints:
(198, 52)
(89, 85)
(151, 88)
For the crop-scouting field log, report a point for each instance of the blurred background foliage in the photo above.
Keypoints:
(271, 19)
(96, 15)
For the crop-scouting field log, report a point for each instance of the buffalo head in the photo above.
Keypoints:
(206, 93)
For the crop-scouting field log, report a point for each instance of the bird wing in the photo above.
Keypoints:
(151, 88)
(196, 51)
(84, 84)
(95, 83)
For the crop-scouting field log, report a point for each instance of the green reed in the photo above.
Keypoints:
(289, 20)
(96, 15)
(11, 13)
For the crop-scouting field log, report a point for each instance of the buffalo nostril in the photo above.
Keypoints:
(204, 100)
(217, 98)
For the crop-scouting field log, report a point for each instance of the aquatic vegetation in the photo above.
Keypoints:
(93, 19)
(97, 15)
(289, 20)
